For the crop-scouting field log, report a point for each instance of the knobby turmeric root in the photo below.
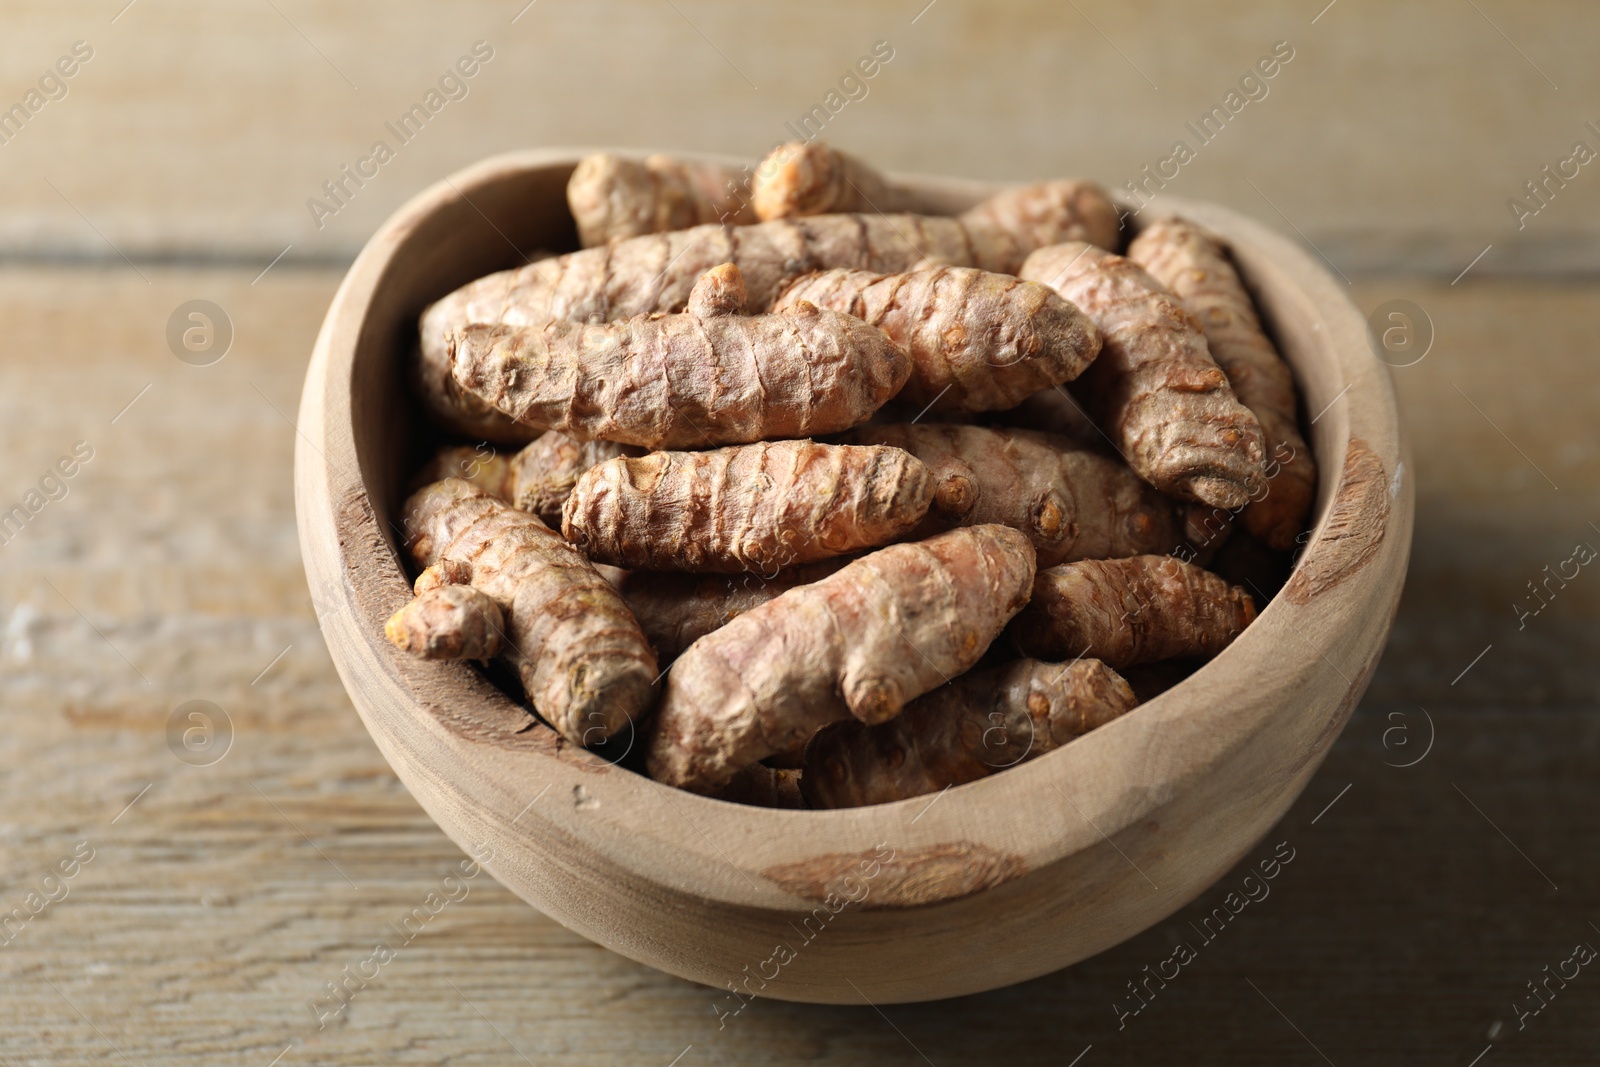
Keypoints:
(882, 631)
(1194, 264)
(655, 273)
(1155, 388)
(1131, 611)
(709, 376)
(676, 610)
(981, 723)
(582, 658)
(448, 622)
(457, 410)
(757, 507)
(1048, 213)
(1072, 503)
(978, 341)
(539, 478)
(809, 178)
(612, 197)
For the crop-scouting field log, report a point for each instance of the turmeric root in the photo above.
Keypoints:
(977, 341)
(980, 723)
(612, 197)
(539, 478)
(1131, 611)
(809, 178)
(1155, 388)
(448, 622)
(582, 658)
(709, 376)
(1048, 213)
(457, 410)
(882, 631)
(755, 507)
(1194, 264)
(676, 610)
(655, 273)
(1072, 503)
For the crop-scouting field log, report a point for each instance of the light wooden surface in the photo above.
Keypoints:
(207, 921)
(1415, 910)
(1427, 116)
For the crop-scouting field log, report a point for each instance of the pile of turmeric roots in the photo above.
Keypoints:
(781, 474)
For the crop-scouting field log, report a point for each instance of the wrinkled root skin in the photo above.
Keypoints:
(1154, 388)
(751, 508)
(676, 610)
(1131, 611)
(976, 726)
(861, 643)
(809, 178)
(479, 464)
(706, 377)
(582, 657)
(1072, 502)
(448, 622)
(539, 478)
(978, 341)
(1195, 265)
(613, 197)
(655, 273)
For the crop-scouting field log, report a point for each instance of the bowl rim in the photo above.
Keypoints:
(727, 854)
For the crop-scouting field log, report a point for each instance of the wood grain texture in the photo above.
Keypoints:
(226, 118)
(206, 922)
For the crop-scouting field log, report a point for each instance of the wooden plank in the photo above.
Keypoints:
(217, 905)
(1506, 482)
(1394, 137)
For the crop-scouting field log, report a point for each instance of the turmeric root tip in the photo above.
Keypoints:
(448, 622)
(1155, 389)
(810, 178)
(676, 610)
(540, 477)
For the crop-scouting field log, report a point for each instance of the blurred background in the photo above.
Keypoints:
(158, 152)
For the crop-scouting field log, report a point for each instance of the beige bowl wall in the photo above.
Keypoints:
(988, 884)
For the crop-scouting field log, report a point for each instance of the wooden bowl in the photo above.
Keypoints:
(986, 884)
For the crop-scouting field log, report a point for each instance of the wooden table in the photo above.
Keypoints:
(1443, 857)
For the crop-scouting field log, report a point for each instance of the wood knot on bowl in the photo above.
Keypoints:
(1354, 530)
(899, 878)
